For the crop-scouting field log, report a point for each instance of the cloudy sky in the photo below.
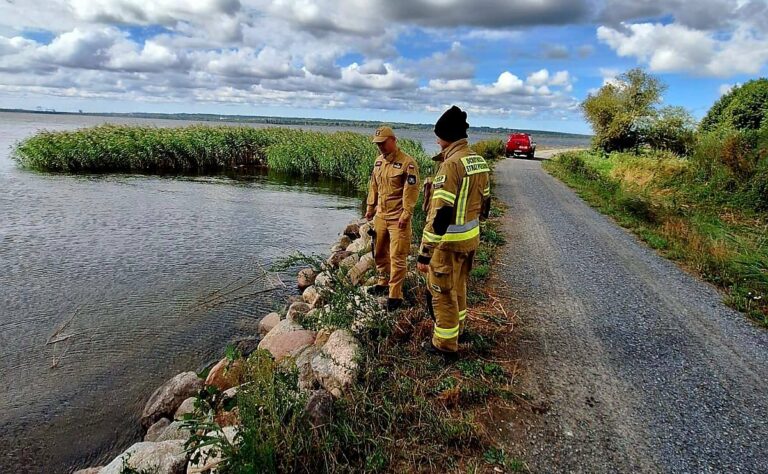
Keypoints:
(510, 63)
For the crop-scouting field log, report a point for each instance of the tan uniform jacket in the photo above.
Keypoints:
(462, 183)
(394, 186)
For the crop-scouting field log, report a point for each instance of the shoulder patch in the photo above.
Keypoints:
(439, 179)
(411, 179)
(397, 166)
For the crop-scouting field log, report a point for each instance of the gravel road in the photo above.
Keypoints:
(640, 366)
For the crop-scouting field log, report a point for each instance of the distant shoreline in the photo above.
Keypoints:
(285, 121)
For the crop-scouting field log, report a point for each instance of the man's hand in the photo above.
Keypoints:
(422, 267)
(369, 215)
(402, 223)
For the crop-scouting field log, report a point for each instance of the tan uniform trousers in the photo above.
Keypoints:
(447, 280)
(391, 252)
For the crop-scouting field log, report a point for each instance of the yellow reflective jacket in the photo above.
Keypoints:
(462, 184)
(394, 186)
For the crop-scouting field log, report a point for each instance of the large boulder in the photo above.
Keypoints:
(306, 278)
(284, 326)
(323, 280)
(247, 344)
(357, 272)
(364, 230)
(207, 460)
(228, 418)
(89, 470)
(358, 246)
(187, 407)
(157, 429)
(352, 231)
(335, 259)
(335, 366)
(349, 262)
(175, 430)
(165, 457)
(344, 242)
(225, 374)
(303, 362)
(312, 297)
(167, 398)
(268, 322)
(297, 311)
(290, 342)
(319, 408)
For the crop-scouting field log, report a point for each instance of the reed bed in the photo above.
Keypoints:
(205, 149)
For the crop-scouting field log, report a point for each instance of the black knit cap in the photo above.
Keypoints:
(452, 125)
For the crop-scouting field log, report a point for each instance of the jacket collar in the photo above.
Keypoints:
(392, 156)
(451, 150)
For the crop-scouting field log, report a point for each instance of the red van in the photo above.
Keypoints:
(520, 144)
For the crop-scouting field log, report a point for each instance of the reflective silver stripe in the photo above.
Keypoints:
(457, 229)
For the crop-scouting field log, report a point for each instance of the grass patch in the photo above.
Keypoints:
(345, 156)
(661, 198)
(408, 411)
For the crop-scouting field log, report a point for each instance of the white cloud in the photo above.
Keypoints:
(451, 85)
(538, 78)
(152, 57)
(676, 48)
(354, 76)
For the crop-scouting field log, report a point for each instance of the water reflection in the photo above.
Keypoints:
(111, 284)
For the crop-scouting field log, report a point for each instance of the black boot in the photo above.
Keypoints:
(378, 290)
(394, 304)
(429, 349)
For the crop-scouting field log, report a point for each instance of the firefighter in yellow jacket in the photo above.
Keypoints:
(392, 195)
(460, 198)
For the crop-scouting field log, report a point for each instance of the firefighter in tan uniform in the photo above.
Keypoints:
(392, 195)
(460, 198)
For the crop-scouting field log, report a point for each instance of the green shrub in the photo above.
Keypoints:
(744, 107)
(491, 150)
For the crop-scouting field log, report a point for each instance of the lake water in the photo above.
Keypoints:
(111, 284)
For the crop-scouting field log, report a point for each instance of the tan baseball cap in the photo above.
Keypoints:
(382, 133)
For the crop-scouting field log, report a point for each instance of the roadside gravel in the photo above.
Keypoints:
(632, 364)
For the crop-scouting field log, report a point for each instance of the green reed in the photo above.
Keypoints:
(206, 149)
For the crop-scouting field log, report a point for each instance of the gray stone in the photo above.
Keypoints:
(357, 272)
(290, 342)
(268, 322)
(306, 278)
(337, 257)
(349, 262)
(167, 398)
(187, 407)
(297, 311)
(89, 470)
(165, 457)
(323, 280)
(282, 327)
(312, 296)
(207, 461)
(246, 345)
(319, 408)
(352, 231)
(157, 429)
(174, 431)
(336, 366)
